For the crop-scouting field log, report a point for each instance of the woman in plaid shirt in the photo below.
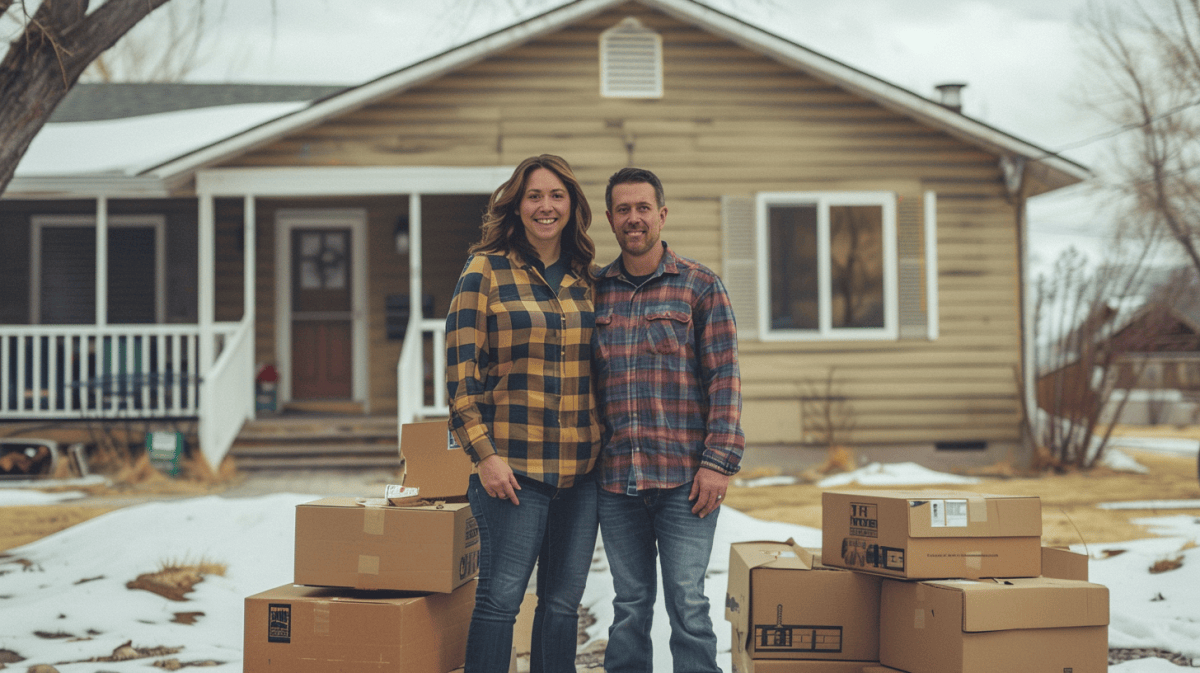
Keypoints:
(518, 377)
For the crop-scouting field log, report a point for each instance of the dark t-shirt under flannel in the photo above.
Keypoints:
(518, 374)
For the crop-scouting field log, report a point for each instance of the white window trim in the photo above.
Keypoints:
(823, 200)
(155, 222)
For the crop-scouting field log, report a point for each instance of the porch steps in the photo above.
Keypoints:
(317, 441)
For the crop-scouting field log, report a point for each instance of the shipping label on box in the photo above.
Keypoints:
(985, 626)
(294, 629)
(789, 607)
(743, 663)
(932, 534)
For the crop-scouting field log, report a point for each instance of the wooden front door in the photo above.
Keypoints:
(322, 313)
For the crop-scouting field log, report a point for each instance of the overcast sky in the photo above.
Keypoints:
(1021, 59)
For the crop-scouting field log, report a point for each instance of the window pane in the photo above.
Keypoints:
(856, 266)
(793, 246)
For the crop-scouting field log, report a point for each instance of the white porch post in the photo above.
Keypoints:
(414, 266)
(206, 294)
(101, 261)
(250, 255)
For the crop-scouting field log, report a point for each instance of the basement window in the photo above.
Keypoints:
(631, 61)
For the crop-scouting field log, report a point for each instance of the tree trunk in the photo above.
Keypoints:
(58, 43)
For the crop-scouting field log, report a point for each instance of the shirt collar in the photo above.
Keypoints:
(668, 264)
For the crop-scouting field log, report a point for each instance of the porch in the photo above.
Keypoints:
(250, 230)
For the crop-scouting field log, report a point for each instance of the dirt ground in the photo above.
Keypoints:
(1069, 511)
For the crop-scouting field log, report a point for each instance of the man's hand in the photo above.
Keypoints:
(708, 491)
(498, 479)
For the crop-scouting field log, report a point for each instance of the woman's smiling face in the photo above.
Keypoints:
(545, 208)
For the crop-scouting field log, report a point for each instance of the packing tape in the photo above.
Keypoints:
(919, 618)
(321, 618)
(977, 509)
(973, 560)
(373, 520)
(368, 565)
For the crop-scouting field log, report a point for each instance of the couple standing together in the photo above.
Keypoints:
(591, 399)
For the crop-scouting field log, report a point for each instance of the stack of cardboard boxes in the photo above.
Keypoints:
(917, 581)
(381, 584)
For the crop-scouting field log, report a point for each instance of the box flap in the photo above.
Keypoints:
(435, 464)
(785, 555)
(1029, 603)
(1064, 564)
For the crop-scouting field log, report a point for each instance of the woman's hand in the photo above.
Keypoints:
(498, 479)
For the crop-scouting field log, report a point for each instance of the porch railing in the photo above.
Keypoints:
(86, 371)
(227, 397)
(420, 373)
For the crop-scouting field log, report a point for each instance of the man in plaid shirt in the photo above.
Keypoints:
(669, 388)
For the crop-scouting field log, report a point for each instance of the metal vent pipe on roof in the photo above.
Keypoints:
(951, 95)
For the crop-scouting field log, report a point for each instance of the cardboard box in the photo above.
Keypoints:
(1033, 625)
(366, 543)
(786, 606)
(1064, 564)
(932, 534)
(294, 629)
(879, 669)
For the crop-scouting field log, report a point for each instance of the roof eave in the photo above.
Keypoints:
(1051, 171)
(1047, 170)
(113, 185)
(388, 85)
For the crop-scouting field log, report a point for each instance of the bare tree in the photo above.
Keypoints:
(165, 47)
(57, 41)
(1095, 332)
(1146, 54)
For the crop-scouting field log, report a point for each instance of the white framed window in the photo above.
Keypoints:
(631, 64)
(63, 269)
(827, 265)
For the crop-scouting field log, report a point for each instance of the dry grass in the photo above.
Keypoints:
(175, 579)
(1069, 511)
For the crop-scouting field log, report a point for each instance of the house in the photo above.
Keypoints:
(871, 238)
(1151, 347)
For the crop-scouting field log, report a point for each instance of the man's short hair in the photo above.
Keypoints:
(632, 175)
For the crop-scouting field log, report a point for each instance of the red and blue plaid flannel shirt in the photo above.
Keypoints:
(668, 383)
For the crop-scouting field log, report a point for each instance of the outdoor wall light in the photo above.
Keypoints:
(401, 235)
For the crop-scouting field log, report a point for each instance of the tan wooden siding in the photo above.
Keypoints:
(731, 122)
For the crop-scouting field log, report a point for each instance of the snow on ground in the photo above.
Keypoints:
(73, 585)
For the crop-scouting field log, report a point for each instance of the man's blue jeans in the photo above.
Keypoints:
(557, 529)
(635, 529)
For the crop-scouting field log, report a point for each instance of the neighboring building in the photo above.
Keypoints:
(1154, 376)
(872, 239)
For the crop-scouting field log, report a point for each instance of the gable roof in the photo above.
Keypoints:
(1045, 169)
(98, 101)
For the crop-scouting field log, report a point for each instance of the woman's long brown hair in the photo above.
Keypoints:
(503, 231)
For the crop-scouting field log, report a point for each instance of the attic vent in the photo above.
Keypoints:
(630, 61)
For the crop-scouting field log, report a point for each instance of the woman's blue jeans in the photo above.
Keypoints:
(556, 528)
(637, 531)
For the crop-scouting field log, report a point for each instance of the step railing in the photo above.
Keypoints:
(420, 373)
(227, 397)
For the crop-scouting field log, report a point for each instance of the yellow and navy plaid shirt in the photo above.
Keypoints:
(518, 369)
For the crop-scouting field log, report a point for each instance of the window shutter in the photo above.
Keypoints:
(631, 61)
(131, 271)
(916, 231)
(68, 269)
(739, 264)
